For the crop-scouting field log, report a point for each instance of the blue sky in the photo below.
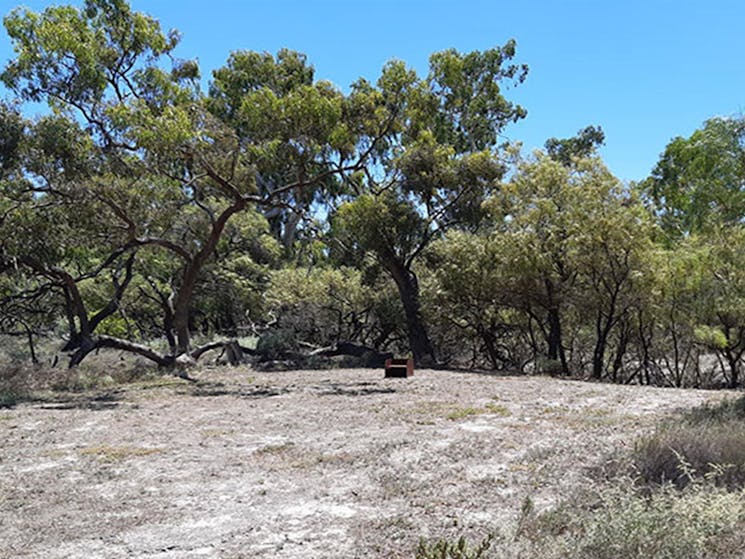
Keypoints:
(646, 71)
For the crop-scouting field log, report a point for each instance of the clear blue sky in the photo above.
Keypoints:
(645, 71)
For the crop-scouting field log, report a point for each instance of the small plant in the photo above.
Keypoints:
(497, 409)
(667, 523)
(460, 413)
(445, 549)
(276, 344)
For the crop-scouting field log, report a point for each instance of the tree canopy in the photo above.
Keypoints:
(273, 214)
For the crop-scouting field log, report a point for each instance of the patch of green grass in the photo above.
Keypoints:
(460, 413)
(469, 411)
(497, 409)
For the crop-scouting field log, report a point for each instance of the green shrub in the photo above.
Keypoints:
(445, 549)
(667, 524)
(683, 454)
(276, 344)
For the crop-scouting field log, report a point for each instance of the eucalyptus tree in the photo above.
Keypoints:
(699, 181)
(436, 162)
(168, 172)
(583, 144)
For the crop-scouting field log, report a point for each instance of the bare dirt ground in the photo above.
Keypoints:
(304, 464)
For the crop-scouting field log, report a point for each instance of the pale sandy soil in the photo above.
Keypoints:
(303, 464)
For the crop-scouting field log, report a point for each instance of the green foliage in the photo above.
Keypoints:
(445, 549)
(711, 336)
(582, 145)
(467, 92)
(11, 135)
(614, 521)
(324, 306)
(667, 525)
(236, 203)
(566, 242)
(152, 169)
(697, 184)
(75, 56)
(381, 223)
(276, 343)
(433, 141)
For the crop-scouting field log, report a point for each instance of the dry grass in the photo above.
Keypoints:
(613, 521)
(708, 444)
(106, 453)
(23, 382)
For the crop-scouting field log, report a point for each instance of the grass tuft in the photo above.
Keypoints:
(708, 444)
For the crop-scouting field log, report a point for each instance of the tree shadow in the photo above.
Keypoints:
(92, 402)
(216, 389)
(357, 389)
(481, 372)
(213, 389)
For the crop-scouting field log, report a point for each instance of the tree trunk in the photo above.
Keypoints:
(31, 348)
(554, 337)
(181, 327)
(194, 265)
(91, 343)
(491, 350)
(85, 346)
(408, 290)
(555, 343)
(598, 356)
(623, 342)
(733, 361)
(168, 326)
(602, 331)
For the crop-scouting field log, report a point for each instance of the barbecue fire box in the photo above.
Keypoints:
(399, 368)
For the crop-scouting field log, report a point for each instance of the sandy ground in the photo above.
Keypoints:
(304, 464)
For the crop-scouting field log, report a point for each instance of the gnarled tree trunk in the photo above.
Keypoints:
(408, 289)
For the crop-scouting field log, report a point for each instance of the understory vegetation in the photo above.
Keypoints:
(272, 216)
(680, 494)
